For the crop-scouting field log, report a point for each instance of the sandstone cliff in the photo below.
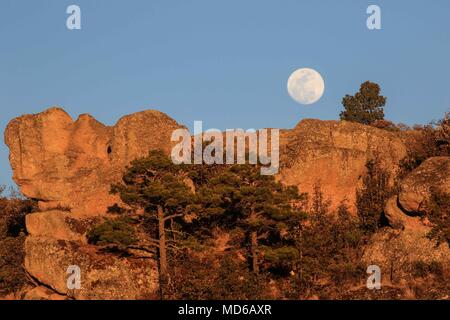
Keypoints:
(334, 154)
(71, 164)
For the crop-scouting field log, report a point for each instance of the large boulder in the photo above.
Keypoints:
(334, 154)
(396, 250)
(433, 173)
(71, 164)
(42, 293)
(103, 276)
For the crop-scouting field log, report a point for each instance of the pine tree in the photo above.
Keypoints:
(265, 209)
(157, 186)
(372, 197)
(366, 106)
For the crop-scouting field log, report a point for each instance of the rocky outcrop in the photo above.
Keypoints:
(103, 276)
(396, 249)
(334, 154)
(433, 173)
(57, 240)
(58, 225)
(43, 293)
(71, 164)
(68, 166)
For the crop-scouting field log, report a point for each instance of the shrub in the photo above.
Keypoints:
(437, 209)
(116, 233)
(366, 106)
(371, 199)
(423, 269)
(209, 277)
(431, 140)
(12, 237)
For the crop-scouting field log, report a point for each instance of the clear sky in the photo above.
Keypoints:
(224, 62)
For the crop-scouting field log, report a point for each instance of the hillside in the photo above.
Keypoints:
(67, 167)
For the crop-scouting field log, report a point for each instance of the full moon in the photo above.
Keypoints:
(306, 86)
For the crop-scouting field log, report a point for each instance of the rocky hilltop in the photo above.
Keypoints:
(71, 164)
(68, 167)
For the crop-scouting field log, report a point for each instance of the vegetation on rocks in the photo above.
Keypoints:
(12, 236)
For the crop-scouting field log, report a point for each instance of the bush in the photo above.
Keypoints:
(208, 277)
(431, 140)
(12, 238)
(116, 233)
(385, 125)
(371, 199)
(437, 209)
(423, 269)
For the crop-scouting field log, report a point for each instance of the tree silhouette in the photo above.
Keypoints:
(366, 106)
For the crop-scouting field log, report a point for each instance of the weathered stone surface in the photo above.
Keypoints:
(415, 188)
(334, 154)
(69, 163)
(395, 216)
(103, 276)
(398, 249)
(42, 293)
(59, 225)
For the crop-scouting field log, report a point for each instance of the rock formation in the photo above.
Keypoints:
(103, 276)
(68, 166)
(433, 173)
(408, 242)
(334, 154)
(63, 163)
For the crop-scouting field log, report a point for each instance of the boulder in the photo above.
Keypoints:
(71, 164)
(416, 187)
(42, 293)
(396, 250)
(394, 215)
(103, 276)
(334, 154)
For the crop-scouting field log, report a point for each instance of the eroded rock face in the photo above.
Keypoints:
(42, 293)
(409, 242)
(71, 164)
(334, 154)
(416, 187)
(68, 164)
(59, 225)
(103, 276)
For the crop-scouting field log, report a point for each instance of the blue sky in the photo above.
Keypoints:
(223, 62)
